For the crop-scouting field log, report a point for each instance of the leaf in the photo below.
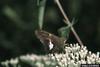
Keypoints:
(41, 13)
(64, 31)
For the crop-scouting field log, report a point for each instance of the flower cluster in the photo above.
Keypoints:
(75, 56)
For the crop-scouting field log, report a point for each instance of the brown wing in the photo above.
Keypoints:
(45, 37)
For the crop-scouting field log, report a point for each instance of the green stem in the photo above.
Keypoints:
(41, 13)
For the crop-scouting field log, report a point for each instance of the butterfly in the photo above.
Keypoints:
(51, 42)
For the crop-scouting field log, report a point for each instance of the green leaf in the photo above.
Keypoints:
(41, 13)
(64, 32)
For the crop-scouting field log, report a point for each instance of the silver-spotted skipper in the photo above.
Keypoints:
(51, 42)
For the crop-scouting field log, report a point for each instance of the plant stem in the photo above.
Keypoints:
(68, 22)
(41, 13)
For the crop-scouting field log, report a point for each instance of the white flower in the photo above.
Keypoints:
(74, 57)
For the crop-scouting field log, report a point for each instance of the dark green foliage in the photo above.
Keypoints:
(18, 20)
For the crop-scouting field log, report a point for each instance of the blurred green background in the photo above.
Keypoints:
(19, 20)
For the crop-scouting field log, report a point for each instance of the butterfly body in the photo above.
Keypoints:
(51, 42)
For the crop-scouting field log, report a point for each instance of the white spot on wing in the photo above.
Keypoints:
(50, 45)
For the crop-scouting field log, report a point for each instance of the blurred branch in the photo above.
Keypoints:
(13, 15)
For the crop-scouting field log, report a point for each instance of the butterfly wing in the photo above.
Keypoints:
(49, 39)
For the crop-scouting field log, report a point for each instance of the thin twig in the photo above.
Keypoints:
(68, 22)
